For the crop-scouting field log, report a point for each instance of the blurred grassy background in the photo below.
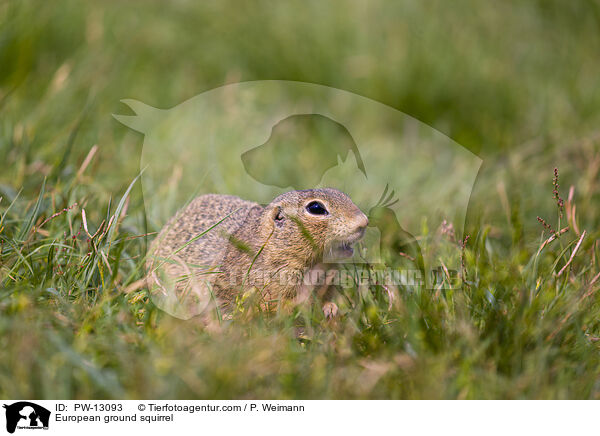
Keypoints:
(515, 82)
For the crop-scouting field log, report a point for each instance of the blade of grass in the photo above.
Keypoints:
(33, 214)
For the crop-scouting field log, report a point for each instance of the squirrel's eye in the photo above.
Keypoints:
(316, 208)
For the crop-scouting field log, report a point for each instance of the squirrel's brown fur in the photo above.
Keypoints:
(250, 245)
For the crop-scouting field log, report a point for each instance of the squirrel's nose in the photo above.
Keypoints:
(361, 222)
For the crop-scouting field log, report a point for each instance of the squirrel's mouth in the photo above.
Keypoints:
(342, 249)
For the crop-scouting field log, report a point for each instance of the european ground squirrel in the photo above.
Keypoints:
(229, 245)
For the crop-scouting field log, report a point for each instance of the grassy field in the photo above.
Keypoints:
(514, 82)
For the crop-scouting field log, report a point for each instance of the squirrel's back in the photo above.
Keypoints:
(213, 216)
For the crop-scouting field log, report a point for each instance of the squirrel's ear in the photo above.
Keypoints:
(277, 215)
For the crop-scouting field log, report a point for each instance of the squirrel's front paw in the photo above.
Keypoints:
(330, 310)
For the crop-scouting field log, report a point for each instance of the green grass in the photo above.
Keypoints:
(515, 82)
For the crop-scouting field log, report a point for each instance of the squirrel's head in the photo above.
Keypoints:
(304, 224)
